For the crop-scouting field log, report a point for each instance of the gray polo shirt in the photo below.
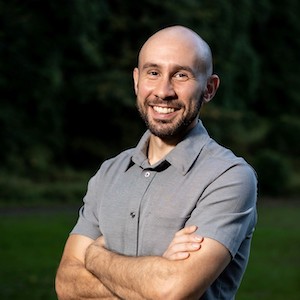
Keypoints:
(139, 207)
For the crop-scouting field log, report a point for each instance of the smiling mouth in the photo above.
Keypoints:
(163, 110)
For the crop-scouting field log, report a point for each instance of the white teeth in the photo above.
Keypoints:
(163, 110)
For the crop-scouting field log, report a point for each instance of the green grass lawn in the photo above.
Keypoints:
(31, 246)
(274, 268)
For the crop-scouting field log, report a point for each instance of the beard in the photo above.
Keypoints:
(170, 129)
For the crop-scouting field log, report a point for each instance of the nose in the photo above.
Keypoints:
(164, 89)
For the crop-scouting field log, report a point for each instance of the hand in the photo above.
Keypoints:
(183, 243)
(92, 251)
(100, 242)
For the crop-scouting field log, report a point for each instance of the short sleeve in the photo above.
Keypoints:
(226, 211)
(87, 223)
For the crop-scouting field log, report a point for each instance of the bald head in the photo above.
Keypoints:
(181, 39)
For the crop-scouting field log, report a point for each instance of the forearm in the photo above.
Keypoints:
(74, 281)
(154, 277)
(131, 277)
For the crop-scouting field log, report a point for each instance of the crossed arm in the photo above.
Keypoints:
(89, 271)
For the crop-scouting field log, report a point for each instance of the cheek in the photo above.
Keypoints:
(144, 90)
(195, 94)
(191, 100)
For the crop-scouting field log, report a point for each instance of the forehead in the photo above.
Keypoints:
(168, 55)
(167, 50)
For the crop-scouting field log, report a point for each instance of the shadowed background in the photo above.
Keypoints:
(67, 103)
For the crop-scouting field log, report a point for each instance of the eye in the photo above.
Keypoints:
(152, 74)
(182, 76)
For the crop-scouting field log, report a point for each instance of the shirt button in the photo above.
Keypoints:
(147, 174)
(132, 215)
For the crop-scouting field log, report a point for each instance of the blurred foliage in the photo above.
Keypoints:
(67, 96)
(60, 187)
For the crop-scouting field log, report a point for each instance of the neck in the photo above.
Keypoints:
(159, 148)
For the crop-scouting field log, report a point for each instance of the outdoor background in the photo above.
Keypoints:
(67, 103)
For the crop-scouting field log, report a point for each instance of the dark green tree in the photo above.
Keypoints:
(66, 87)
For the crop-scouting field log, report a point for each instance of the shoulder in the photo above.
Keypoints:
(112, 166)
(120, 161)
(219, 160)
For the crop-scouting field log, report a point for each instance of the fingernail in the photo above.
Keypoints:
(195, 246)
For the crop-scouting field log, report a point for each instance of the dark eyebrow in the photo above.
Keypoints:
(150, 65)
(185, 68)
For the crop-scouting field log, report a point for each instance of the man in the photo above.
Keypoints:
(172, 218)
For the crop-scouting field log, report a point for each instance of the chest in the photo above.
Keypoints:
(141, 210)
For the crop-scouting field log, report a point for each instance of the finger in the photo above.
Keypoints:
(100, 241)
(186, 235)
(179, 256)
(184, 247)
(185, 242)
(186, 230)
(186, 238)
(181, 248)
(178, 249)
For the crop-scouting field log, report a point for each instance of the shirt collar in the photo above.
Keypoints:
(181, 157)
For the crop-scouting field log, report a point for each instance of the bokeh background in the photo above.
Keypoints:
(67, 103)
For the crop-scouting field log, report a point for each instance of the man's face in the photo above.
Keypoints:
(169, 87)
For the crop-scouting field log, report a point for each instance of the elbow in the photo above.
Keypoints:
(60, 290)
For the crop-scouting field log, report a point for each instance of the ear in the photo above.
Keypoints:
(136, 79)
(212, 85)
